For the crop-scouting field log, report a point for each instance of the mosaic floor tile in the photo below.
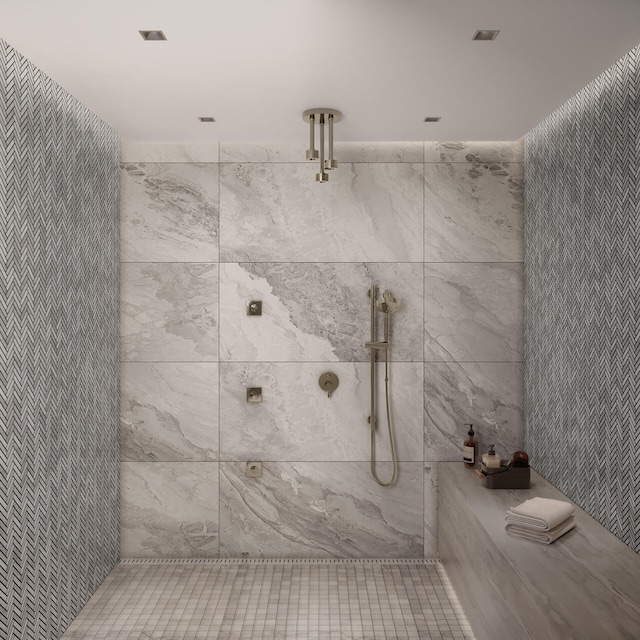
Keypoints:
(273, 599)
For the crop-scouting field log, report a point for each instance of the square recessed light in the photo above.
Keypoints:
(152, 35)
(206, 119)
(432, 119)
(486, 34)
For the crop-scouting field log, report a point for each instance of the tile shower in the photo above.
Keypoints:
(204, 230)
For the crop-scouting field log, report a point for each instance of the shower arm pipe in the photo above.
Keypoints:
(312, 142)
(321, 144)
(331, 163)
(330, 140)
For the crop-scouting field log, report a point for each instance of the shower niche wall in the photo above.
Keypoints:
(206, 230)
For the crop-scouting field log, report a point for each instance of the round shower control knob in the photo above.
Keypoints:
(329, 382)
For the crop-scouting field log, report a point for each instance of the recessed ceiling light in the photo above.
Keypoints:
(206, 119)
(432, 119)
(486, 34)
(152, 35)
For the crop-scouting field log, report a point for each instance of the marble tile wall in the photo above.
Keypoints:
(206, 230)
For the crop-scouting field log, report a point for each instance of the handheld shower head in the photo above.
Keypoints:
(387, 303)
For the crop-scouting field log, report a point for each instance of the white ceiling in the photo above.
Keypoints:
(255, 65)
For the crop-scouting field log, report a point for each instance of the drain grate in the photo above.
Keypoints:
(407, 561)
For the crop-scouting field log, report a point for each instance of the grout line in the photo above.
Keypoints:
(316, 362)
(219, 352)
(423, 345)
(319, 262)
(283, 561)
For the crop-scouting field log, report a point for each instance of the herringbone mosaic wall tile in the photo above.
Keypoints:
(582, 355)
(58, 352)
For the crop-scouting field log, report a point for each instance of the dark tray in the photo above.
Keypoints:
(513, 478)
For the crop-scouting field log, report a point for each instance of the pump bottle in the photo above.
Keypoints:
(470, 455)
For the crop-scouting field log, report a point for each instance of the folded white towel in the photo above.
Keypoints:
(546, 537)
(540, 514)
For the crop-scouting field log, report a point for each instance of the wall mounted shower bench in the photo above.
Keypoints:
(584, 586)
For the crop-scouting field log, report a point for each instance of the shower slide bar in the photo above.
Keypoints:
(387, 304)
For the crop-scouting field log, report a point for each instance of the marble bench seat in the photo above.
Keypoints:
(584, 586)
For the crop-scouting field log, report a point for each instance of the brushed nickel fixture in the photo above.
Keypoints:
(329, 382)
(206, 119)
(254, 307)
(321, 117)
(153, 35)
(386, 304)
(254, 470)
(432, 119)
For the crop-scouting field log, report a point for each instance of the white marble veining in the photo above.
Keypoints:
(309, 252)
(272, 336)
(474, 212)
(277, 212)
(168, 411)
(343, 152)
(169, 312)
(488, 395)
(231, 152)
(297, 421)
(168, 212)
(316, 312)
(474, 312)
(585, 585)
(490, 151)
(320, 510)
(169, 509)
(131, 151)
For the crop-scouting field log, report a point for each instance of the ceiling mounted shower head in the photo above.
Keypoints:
(321, 117)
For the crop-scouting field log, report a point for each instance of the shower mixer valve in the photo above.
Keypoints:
(329, 382)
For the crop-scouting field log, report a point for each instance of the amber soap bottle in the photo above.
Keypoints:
(470, 455)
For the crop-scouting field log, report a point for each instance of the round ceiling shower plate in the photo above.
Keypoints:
(337, 116)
